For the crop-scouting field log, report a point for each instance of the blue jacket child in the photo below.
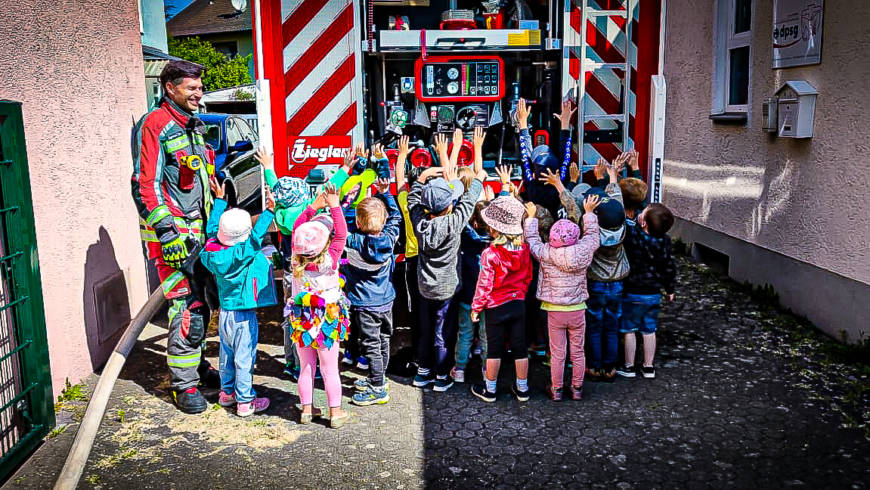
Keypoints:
(370, 260)
(245, 282)
(369, 274)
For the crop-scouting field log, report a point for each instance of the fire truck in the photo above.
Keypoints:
(331, 73)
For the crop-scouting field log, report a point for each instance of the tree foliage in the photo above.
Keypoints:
(220, 71)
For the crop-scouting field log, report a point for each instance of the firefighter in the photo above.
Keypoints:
(172, 165)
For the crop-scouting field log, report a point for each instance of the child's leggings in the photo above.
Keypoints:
(328, 369)
(567, 328)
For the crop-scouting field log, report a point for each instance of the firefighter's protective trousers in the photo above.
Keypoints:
(173, 200)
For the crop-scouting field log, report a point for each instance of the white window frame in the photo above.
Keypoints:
(724, 41)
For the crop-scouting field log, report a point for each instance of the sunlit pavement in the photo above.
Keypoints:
(745, 396)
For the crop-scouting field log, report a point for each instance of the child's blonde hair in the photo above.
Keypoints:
(371, 214)
(466, 176)
(300, 262)
(500, 239)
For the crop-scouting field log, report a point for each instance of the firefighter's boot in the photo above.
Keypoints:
(190, 401)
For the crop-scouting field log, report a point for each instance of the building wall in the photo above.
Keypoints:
(153, 24)
(80, 79)
(804, 201)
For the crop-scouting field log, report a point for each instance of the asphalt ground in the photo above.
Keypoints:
(746, 395)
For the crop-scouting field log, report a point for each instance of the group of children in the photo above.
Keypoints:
(479, 269)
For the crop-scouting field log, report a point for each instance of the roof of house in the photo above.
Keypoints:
(208, 17)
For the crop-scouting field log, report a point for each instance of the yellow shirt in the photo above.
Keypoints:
(410, 237)
(551, 307)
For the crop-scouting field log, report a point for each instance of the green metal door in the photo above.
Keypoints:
(26, 405)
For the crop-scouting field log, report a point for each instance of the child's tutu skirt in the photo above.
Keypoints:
(316, 324)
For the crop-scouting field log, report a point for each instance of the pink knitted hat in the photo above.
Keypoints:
(310, 238)
(564, 233)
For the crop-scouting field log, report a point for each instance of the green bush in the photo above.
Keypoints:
(220, 71)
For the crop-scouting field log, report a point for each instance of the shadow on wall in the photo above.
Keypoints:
(106, 303)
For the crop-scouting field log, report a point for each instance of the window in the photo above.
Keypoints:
(732, 59)
(229, 49)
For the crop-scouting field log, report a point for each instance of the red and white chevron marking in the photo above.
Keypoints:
(322, 67)
(605, 39)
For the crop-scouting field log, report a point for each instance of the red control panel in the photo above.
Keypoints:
(459, 78)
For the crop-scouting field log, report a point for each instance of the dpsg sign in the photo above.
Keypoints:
(797, 32)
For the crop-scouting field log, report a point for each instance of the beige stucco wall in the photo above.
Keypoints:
(77, 68)
(806, 199)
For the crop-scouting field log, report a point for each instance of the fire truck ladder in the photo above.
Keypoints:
(589, 64)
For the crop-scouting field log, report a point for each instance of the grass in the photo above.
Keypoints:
(60, 429)
(73, 393)
(93, 479)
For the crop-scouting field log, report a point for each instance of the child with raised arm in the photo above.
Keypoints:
(244, 281)
(653, 269)
(291, 198)
(562, 290)
(369, 271)
(505, 274)
(475, 238)
(317, 310)
(439, 209)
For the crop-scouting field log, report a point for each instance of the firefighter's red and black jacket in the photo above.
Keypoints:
(170, 185)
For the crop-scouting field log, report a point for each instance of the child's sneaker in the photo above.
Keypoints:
(593, 374)
(477, 351)
(256, 405)
(421, 380)
(371, 396)
(522, 395)
(458, 375)
(538, 350)
(626, 371)
(347, 359)
(363, 384)
(649, 372)
(226, 400)
(608, 375)
(442, 384)
(576, 392)
(481, 392)
(555, 394)
(362, 363)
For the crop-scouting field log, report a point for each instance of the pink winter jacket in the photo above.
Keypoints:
(562, 280)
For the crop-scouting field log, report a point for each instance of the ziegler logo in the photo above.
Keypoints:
(322, 149)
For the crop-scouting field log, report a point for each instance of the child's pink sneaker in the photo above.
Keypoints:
(250, 408)
(226, 400)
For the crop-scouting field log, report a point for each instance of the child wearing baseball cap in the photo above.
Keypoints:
(244, 280)
(505, 274)
(439, 207)
(317, 310)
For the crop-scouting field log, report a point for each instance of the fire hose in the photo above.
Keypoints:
(84, 440)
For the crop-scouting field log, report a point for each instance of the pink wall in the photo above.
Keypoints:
(77, 68)
(806, 199)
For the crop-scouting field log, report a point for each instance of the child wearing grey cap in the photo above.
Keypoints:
(439, 206)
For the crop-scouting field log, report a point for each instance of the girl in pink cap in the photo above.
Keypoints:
(317, 308)
(562, 289)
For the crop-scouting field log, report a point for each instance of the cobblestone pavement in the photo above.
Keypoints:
(745, 396)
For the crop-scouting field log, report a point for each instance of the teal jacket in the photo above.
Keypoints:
(244, 275)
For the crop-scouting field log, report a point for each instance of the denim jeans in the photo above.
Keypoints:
(640, 312)
(466, 336)
(238, 334)
(603, 310)
(437, 335)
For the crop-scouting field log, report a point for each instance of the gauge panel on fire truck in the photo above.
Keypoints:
(459, 78)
